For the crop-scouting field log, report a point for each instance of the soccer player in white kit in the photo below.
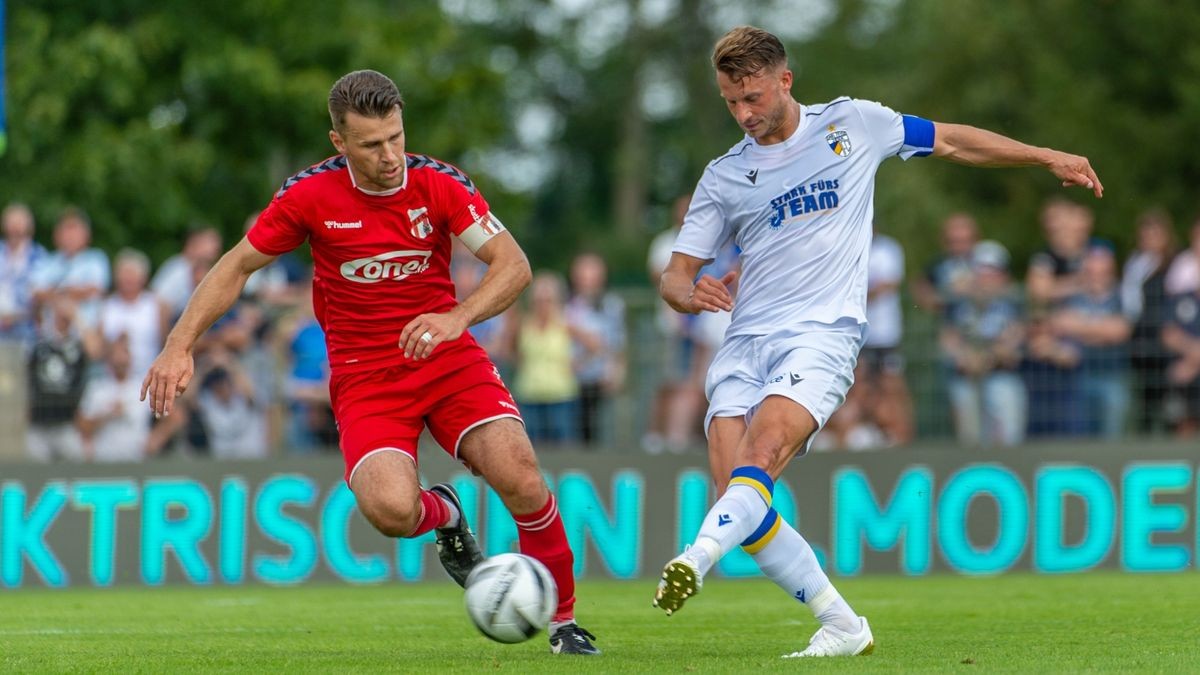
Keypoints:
(796, 195)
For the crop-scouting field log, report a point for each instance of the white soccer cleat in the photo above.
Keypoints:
(831, 641)
(680, 580)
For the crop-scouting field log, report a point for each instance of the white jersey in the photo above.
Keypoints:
(801, 212)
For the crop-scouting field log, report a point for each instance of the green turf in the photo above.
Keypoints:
(1017, 623)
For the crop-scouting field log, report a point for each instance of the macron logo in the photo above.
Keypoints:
(394, 266)
(335, 225)
(723, 520)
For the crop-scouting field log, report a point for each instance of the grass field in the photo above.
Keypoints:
(1016, 623)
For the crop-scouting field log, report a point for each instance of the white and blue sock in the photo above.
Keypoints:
(788, 560)
(734, 516)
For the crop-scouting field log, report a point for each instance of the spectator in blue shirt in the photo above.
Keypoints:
(19, 256)
(73, 270)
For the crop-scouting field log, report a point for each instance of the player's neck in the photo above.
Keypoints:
(791, 122)
(375, 192)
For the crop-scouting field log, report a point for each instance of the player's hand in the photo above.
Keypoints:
(426, 332)
(168, 378)
(1075, 170)
(711, 294)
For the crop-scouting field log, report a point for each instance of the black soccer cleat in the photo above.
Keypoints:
(571, 639)
(456, 546)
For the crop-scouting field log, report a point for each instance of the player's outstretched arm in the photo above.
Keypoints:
(978, 147)
(707, 294)
(172, 371)
(508, 274)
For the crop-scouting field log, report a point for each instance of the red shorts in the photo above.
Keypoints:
(387, 408)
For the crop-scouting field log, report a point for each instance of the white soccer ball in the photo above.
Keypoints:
(511, 597)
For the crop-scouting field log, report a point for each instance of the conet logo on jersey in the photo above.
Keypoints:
(391, 266)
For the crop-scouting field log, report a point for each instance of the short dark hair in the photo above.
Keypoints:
(366, 92)
(746, 51)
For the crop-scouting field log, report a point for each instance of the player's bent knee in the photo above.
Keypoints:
(391, 516)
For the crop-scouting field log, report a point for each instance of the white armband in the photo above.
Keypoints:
(481, 231)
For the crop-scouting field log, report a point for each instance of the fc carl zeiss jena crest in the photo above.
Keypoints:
(839, 141)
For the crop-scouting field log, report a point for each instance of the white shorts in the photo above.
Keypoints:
(811, 364)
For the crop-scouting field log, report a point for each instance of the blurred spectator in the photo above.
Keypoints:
(19, 256)
(1054, 379)
(495, 334)
(599, 359)
(679, 402)
(58, 363)
(179, 274)
(545, 386)
(1181, 336)
(133, 311)
(1093, 318)
(1144, 299)
(73, 270)
(948, 278)
(1183, 276)
(981, 339)
(113, 422)
(309, 424)
(883, 371)
(279, 286)
(233, 417)
(1054, 271)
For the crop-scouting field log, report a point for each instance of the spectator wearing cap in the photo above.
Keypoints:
(981, 342)
(1095, 319)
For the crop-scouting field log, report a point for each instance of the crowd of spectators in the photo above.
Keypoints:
(90, 326)
(1083, 347)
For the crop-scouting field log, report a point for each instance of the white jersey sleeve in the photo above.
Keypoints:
(894, 134)
(705, 227)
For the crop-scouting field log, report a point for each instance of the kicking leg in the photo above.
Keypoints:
(501, 453)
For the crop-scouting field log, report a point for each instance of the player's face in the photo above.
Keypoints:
(761, 103)
(374, 146)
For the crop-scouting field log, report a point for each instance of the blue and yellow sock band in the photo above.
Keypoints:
(765, 532)
(754, 478)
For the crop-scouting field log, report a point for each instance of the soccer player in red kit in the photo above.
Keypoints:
(379, 222)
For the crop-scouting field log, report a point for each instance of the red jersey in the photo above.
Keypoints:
(380, 260)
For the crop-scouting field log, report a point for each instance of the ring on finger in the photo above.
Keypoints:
(426, 337)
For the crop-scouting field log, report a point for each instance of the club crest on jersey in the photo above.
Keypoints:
(421, 227)
(839, 141)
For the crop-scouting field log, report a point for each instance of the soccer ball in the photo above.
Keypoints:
(510, 597)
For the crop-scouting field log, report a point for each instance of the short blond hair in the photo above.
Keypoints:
(746, 51)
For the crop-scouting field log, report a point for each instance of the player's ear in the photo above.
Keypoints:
(336, 139)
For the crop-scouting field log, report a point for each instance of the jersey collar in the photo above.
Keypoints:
(378, 193)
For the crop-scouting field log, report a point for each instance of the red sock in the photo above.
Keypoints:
(435, 512)
(542, 536)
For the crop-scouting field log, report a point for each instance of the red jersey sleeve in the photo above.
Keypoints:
(467, 212)
(280, 227)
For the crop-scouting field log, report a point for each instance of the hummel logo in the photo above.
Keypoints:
(795, 380)
(335, 225)
(800, 595)
(753, 176)
(724, 519)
